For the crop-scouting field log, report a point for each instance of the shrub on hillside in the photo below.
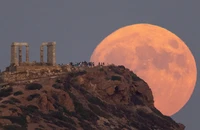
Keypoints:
(56, 86)
(13, 109)
(84, 114)
(116, 78)
(135, 77)
(59, 119)
(41, 126)
(18, 93)
(3, 106)
(78, 73)
(20, 120)
(101, 69)
(137, 100)
(13, 127)
(44, 91)
(82, 72)
(38, 129)
(15, 100)
(32, 96)
(121, 67)
(60, 116)
(30, 109)
(4, 92)
(59, 81)
(67, 85)
(117, 69)
(8, 102)
(96, 101)
(11, 100)
(33, 86)
(161, 122)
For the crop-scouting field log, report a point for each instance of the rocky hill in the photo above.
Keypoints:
(102, 98)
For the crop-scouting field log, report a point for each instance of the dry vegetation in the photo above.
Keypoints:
(107, 97)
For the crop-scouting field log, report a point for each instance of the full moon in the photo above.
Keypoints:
(157, 56)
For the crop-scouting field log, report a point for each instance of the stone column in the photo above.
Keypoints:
(20, 54)
(14, 54)
(42, 54)
(51, 54)
(27, 54)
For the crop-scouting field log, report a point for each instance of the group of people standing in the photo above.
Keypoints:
(86, 64)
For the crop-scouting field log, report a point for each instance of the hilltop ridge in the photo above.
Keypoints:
(98, 97)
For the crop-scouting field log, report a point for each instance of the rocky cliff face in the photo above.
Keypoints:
(101, 98)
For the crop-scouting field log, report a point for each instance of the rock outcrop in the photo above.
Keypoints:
(101, 98)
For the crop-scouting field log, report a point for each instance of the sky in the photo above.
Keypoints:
(78, 26)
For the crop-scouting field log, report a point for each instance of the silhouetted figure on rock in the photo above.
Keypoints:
(71, 64)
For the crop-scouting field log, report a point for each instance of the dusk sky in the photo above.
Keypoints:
(78, 26)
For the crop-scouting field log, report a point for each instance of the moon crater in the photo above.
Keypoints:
(173, 43)
(160, 60)
(181, 60)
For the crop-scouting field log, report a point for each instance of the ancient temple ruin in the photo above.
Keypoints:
(51, 53)
(29, 71)
(16, 60)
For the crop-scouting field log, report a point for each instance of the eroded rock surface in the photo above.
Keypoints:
(99, 98)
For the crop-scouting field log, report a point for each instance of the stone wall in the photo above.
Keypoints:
(36, 71)
(27, 73)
